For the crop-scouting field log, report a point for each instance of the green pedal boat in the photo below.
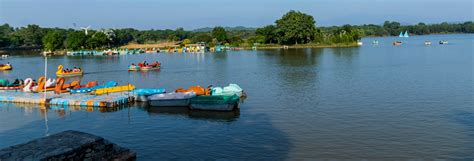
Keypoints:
(215, 103)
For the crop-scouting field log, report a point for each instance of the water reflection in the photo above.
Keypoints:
(347, 55)
(295, 57)
(22, 52)
(296, 69)
(88, 109)
(219, 116)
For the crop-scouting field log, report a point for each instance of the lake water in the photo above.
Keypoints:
(370, 102)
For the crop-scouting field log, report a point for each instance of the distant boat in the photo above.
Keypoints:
(397, 43)
(375, 42)
(427, 42)
(443, 42)
(406, 34)
(401, 34)
(360, 43)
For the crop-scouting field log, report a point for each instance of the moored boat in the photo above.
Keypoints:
(174, 99)
(101, 91)
(231, 89)
(90, 89)
(427, 42)
(141, 95)
(215, 103)
(7, 85)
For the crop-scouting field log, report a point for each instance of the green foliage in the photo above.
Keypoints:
(180, 34)
(394, 28)
(269, 32)
(123, 36)
(5, 32)
(256, 39)
(76, 40)
(186, 41)
(236, 41)
(97, 41)
(202, 37)
(220, 34)
(30, 35)
(53, 40)
(295, 27)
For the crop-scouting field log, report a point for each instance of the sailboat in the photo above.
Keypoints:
(406, 34)
(401, 34)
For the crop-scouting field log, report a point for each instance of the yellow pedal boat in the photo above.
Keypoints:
(101, 91)
(6, 67)
(61, 73)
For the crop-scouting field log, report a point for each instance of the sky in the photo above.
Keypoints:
(193, 14)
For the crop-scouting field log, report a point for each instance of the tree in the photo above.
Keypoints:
(392, 27)
(236, 40)
(269, 32)
(5, 32)
(202, 37)
(97, 40)
(295, 27)
(31, 35)
(53, 40)
(181, 34)
(186, 41)
(76, 40)
(219, 33)
(256, 39)
(124, 36)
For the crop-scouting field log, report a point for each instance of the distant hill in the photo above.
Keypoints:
(236, 28)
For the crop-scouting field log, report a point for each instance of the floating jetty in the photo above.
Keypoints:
(66, 99)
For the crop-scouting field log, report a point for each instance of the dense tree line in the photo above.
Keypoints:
(299, 28)
(296, 27)
(392, 28)
(292, 28)
(55, 38)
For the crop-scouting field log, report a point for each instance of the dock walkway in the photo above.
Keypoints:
(66, 99)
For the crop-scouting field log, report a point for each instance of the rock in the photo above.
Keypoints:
(69, 145)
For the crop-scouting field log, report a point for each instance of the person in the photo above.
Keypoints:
(16, 82)
(145, 63)
(74, 70)
(33, 83)
(79, 70)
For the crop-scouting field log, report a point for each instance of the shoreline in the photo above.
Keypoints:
(262, 47)
(304, 46)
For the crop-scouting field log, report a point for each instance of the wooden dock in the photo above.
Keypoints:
(66, 99)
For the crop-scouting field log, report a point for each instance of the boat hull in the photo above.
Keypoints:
(215, 107)
(6, 67)
(170, 103)
(69, 75)
(114, 89)
(215, 103)
(141, 98)
(143, 69)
